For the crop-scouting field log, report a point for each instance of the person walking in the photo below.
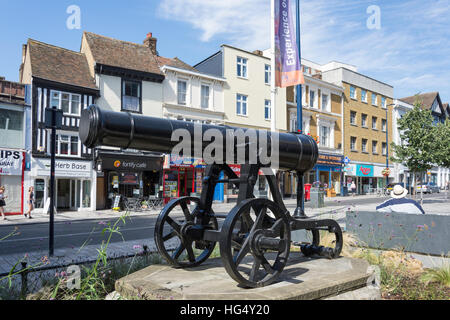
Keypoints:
(2, 202)
(353, 188)
(30, 202)
(399, 203)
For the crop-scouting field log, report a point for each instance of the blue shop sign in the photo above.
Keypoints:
(327, 169)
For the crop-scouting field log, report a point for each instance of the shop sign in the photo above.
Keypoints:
(350, 170)
(328, 168)
(11, 162)
(330, 160)
(65, 168)
(136, 164)
(364, 170)
(129, 179)
(186, 162)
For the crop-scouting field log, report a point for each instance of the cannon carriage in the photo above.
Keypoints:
(255, 236)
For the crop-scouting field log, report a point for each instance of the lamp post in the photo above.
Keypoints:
(387, 141)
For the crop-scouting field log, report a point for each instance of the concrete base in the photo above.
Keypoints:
(303, 279)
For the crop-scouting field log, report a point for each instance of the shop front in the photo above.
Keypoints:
(74, 184)
(127, 175)
(182, 177)
(368, 178)
(12, 167)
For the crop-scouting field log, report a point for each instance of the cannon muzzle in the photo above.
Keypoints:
(99, 127)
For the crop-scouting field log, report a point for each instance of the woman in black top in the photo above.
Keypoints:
(30, 202)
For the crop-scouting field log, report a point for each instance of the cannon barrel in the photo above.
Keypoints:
(100, 127)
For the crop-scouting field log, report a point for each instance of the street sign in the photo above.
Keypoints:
(346, 160)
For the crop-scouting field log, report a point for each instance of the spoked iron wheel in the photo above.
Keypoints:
(255, 243)
(171, 232)
(331, 248)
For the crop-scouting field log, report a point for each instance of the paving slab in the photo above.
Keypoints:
(303, 279)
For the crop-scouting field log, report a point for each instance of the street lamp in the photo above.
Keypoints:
(387, 141)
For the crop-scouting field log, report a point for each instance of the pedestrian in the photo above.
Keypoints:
(30, 202)
(399, 203)
(353, 188)
(2, 202)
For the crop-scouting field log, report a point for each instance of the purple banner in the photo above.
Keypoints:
(287, 62)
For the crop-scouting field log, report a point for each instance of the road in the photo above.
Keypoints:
(74, 234)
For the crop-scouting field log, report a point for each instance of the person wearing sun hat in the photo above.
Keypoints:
(399, 203)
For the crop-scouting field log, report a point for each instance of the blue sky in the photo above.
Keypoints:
(410, 51)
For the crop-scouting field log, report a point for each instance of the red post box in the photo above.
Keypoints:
(308, 192)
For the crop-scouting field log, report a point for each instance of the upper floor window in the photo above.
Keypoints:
(325, 102)
(69, 103)
(11, 128)
(267, 74)
(131, 96)
(267, 109)
(242, 67)
(383, 102)
(363, 95)
(324, 136)
(67, 145)
(383, 125)
(205, 96)
(312, 98)
(383, 146)
(182, 91)
(374, 147)
(364, 145)
(241, 105)
(364, 120)
(352, 92)
(353, 117)
(353, 143)
(307, 70)
(374, 99)
(374, 123)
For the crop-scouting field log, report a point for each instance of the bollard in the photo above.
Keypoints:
(24, 277)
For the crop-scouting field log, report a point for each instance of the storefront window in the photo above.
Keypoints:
(39, 188)
(86, 193)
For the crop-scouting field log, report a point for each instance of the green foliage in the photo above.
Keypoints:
(418, 141)
(442, 151)
(440, 276)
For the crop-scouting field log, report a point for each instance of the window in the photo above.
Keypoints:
(267, 109)
(205, 96)
(352, 92)
(312, 97)
(324, 136)
(67, 145)
(11, 128)
(353, 117)
(364, 145)
(364, 120)
(241, 105)
(383, 125)
(268, 74)
(307, 70)
(374, 99)
(363, 95)
(242, 67)
(131, 96)
(374, 147)
(325, 102)
(383, 146)
(69, 103)
(182, 90)
(353, 143)
(383, 102)
(374, 123)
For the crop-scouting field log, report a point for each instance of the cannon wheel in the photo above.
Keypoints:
(172, 226)
(245, 259)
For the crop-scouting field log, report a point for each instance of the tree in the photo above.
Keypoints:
(442, 152)
(418, 143)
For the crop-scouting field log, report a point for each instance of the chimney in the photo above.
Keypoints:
(151, 43)
(258, 52)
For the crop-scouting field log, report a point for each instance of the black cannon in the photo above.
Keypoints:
(255, 237)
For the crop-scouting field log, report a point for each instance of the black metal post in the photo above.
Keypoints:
(52, 184)
(387, 145)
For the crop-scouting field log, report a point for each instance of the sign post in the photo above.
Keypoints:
(53, 121)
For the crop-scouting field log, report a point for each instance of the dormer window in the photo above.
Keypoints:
(131, 96)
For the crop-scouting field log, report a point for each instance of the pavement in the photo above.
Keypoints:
(336, 208)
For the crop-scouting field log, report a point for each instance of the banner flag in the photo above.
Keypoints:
(287, 59)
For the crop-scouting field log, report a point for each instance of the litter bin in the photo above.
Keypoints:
(345, 191)
(308, 192)
(317, 197)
